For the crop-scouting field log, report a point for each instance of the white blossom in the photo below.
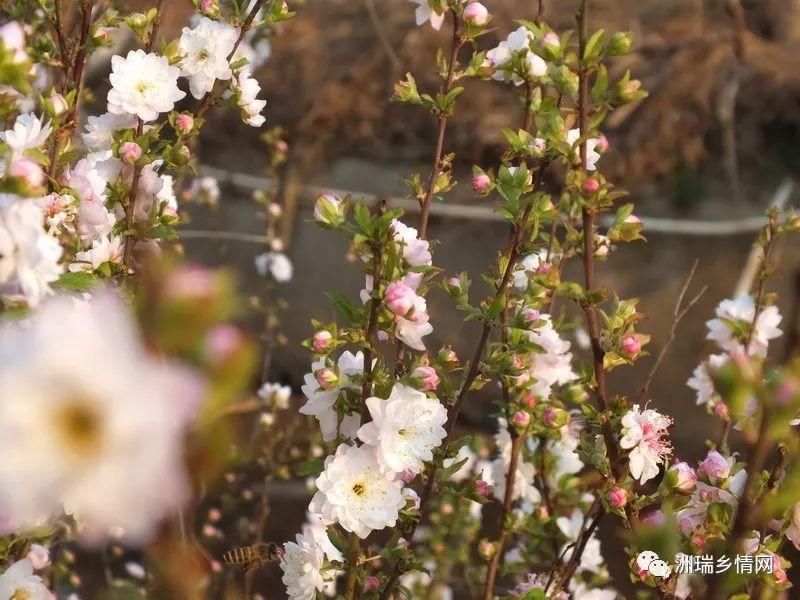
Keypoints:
(276, 264)
(701, 381)
(205, 49)
(104, 250)
(405, 428)
(738, 314)
(591, 559)
(29, 255)
(99, 130)
(303, 563)
(28, 131)
(19, 583)
(247, 89)
(424, 13)
(276, 394)
(354, 492)
(552, 366)
(415, 251)
(321, 402)
(143, 84)
(592, 155)
(643, 434)
(84, 408)
(518, 42)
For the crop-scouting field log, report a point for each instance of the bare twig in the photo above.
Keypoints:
(380, 31)
(678, 314)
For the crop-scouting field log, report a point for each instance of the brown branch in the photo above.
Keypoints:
(436, 169)
(539, 13)
(517, 442)
(771, 236)
(678, 313)
(366, 386)
(590, 522)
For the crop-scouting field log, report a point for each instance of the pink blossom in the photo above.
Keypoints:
(482, 488)
(427, 376)
(631, 345)
(591, 186)
(531, 315)
(184, 123)
(400, 298)
(481, 183)
(715, 466)
(682, 477)
(644, 434)
(39, 556)
(27, 170)
(322, 340)
(327, 378)
(476, 14)
(617, 497)
(371, 584)
(521, 418)
(130, 152)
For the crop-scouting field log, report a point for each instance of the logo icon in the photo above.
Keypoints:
(649, 562)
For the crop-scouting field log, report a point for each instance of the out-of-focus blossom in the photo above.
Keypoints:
(738, 315)
(28, 131)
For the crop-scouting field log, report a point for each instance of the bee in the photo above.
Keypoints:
(254, 557)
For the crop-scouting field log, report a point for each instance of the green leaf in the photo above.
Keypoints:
(312, 467)
(342, 306)
(80, 281)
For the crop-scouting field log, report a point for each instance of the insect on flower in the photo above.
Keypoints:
(254, 557)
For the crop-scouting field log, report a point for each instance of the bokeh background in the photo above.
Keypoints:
(715, 143)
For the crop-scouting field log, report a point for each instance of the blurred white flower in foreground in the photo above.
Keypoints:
(19, 583)
(90, 423)
(353, 492)
(28, 254)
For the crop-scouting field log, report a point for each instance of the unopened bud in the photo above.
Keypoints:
(631, 345)
(326, 378)
(328, 210)
(590, 186)
(59, 104)
(130, 152)
(521, 419)
(322, 340)
(28, 170)
(617, 497)
(476, 14)
(184, 123)
(427, 376)
(274, 209)
(372, 584)
(555, 418)
(481, 183)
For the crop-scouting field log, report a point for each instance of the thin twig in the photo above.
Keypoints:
(517, 442)
(678, 314)
(436, 169)
(380, 31)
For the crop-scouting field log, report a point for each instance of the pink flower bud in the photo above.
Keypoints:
(427, 376)
(590, 186)
(276, 245)
(602, 143)
(130, 152)
(529, 401)
(326, 378)
(59, 104)
(322, 340)
(538, 146)
(715, 466)
(476, 14)
(521, 418)
(682, 477)
(531, 315)
(400, 298)
(617, 497)
(101, 34)
(631, 345)
(481, 183)
(447, 508)
(482, 488)
(633, 219)
(28, 170)
(208, 6)
(721, 410)
(275, 209)
(413, 497)
(372, 584)
(448, 355)
(543, 512)
(214, 515)
(486, 549)
(551, 39)
(184, 123)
